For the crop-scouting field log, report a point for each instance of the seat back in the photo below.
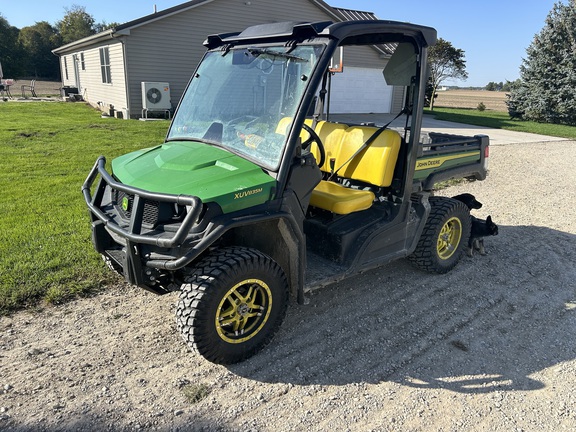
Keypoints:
(286, 122)
(331, 135)
(283, 125)
(375, 164)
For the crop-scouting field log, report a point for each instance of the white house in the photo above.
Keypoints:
(107, 69)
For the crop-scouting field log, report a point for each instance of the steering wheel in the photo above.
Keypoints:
(314, 138)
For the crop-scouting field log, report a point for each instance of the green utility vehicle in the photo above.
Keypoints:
(258, 194)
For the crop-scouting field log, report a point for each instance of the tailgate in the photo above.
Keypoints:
(451, 156)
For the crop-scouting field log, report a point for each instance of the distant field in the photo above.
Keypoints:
(493, 100)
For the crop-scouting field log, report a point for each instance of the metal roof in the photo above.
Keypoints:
(356, 15)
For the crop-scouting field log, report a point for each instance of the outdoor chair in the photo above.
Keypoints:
(5, 88)
(30, 88)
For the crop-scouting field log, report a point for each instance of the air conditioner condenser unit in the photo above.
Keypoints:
(156, 96)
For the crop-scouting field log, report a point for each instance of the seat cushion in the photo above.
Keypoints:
(339, 199)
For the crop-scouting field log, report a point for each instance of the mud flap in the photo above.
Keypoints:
(100, 237)
(132, 265)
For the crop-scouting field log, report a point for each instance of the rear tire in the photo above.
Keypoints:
(445, 236)
(231, 304)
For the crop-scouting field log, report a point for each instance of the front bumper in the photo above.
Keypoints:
(143, 253)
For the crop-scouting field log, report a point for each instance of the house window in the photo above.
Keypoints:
(105, 65)
(82, 61)
(66, 68)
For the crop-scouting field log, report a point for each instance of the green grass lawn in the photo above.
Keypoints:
(501, 120)
(46, 151)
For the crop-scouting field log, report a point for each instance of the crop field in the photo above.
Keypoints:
(493, 100)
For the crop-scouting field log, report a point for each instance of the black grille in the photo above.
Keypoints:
(151, 208)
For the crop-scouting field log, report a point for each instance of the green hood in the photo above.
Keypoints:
(193, 168)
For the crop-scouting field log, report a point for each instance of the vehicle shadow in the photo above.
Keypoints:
(491, 324)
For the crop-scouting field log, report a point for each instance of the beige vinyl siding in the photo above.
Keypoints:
(92, 89)
(176, 40)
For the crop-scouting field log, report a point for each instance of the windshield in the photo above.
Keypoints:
(237, 100)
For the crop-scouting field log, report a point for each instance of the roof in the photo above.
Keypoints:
(162, 14)
(356, 15)
(339, 15)
(195, 3)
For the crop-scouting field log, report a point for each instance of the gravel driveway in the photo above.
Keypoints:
(489, 346)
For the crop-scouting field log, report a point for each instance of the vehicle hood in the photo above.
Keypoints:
(197, 169)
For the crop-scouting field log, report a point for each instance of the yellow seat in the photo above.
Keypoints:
(339, 199)
(286, 122)
(375, 164)
(331, 135)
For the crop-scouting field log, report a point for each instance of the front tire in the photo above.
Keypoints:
(445, 236)
(231, 304)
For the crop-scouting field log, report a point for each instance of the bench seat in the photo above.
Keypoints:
(374, 165)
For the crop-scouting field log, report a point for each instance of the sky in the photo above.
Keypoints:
(494, 34)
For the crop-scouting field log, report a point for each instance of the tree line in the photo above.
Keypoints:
(500, 86)
(27, 52)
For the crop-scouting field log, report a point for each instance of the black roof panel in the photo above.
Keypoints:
(368, 32)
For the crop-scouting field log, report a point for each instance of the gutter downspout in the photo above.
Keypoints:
(59, 67)
(122, 40)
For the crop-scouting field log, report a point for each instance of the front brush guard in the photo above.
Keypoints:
(132, 263)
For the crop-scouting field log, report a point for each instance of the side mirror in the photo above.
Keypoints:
(402, 65)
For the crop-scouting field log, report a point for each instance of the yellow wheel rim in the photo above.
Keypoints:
(449, 238)
(243, 311)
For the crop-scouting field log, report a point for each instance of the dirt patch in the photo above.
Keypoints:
(493, 100)
(489, 346)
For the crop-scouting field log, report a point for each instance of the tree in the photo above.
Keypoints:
(508, 85)
(100, 27)
(495, 86)
(429, 94)
(10, 49)
(76, 24)
(445, 61)
(37, 42)
(547, 88)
